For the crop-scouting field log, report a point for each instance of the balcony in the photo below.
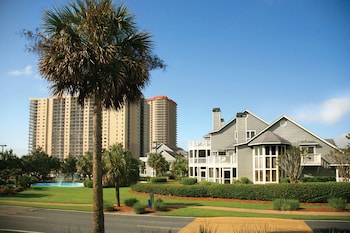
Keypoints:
(214, 161)
(204, 145)
(311, 160)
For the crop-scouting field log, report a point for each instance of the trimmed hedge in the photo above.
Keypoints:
(158, 180)
(188, 181)
(318, 179)
(304, 192)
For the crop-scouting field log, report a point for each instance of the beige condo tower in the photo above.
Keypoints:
(163, 121)
(61, 127)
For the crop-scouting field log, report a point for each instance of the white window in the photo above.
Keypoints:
(309, 149)
(250, 134)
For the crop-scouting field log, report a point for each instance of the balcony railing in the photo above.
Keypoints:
(311, 160)
(229, 160)
(199, 145)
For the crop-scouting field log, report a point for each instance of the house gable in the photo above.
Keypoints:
(236, 130)
(297, 135)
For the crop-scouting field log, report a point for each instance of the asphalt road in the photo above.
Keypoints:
(45, 220)
(27, 219)
(327, 226)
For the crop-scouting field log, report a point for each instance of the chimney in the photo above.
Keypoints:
(217, 121)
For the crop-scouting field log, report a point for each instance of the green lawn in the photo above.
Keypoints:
(81, 199)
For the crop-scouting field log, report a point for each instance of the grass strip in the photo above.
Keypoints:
(81, 199)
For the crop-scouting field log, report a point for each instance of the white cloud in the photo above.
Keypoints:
(28, 70)
(342, 141)
(330, 111)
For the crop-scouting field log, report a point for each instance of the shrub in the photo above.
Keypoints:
(159, 204)
(318, 179)
(286, 204)
(204, 182)
(108, 206)
(286, 180)
(26, 181)
(6, 190)
(130, 202)
(339, 204)
(188, 181)
(158, 180)
(139, 208)
(245, 180)
(88, 183)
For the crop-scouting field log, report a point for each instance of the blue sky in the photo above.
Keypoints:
(269, 57)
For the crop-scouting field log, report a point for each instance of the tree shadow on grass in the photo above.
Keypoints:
(25, 194)
(30, 195)
(182, 205)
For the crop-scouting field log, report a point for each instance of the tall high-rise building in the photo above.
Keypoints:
(61, 127)
(163, 121)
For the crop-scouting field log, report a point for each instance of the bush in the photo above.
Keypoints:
(6, 190)
(286, 204)
(245, 180)
(339, 204)
(286, 180)
(26, 181)
(188, 181)
(108, 206)
(88, 183)
(130, 202)
(158, 179)
(139, 208)
(159, 204)
(318, 179)
(204, 182)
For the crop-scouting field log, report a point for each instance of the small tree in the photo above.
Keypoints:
(39, 163)
(120, 168)
(179, 167)
(158, 163)
(290, 163)
(69, 166)
(342, 160)
(84, 164)
(10, 167)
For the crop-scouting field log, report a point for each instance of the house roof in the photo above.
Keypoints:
(269, 137)
(232, 120)
(289, 119)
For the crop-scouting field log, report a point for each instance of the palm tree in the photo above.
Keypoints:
(84, 164)
(158, 163)
(179, 167)
(69, 166)
(121, 168)
(94, 51)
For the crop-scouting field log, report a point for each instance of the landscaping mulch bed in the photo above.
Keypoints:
(322, 207)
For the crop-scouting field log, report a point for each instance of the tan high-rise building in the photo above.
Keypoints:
(163, 121)
(61, 127)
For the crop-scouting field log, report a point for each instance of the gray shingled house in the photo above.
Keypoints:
(247, 146)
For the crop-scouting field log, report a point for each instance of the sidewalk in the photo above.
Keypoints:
(295, 212)
(253, 225)
(246, 225)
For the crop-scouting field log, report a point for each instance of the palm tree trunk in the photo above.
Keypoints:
(117, 194)
(97, 168)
